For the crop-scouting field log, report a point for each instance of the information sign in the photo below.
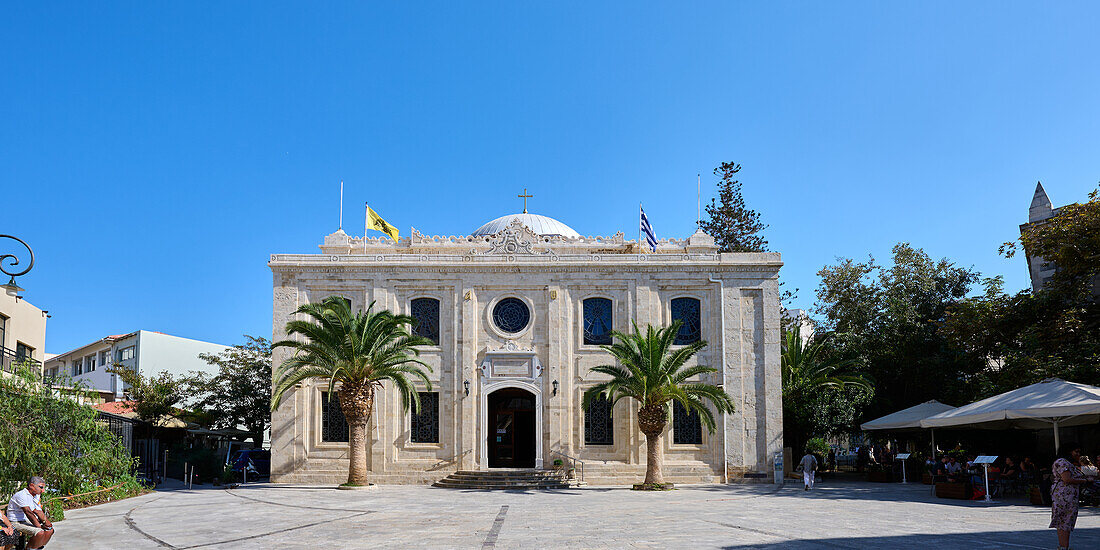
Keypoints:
(985, 459)
(902, 456)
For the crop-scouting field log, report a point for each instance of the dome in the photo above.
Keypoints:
(540, 225)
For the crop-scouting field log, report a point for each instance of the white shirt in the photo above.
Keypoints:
(21, 499)
(809, 463)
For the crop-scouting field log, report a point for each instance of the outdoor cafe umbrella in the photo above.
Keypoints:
(908, 419)
(1050, 403)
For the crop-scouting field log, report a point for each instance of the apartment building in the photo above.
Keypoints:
(22, 331)
(146, 351)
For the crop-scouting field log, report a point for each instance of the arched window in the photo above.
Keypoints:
(597, 321)
(687, 429)
(686, 310)
(598, 427)
(426, 313)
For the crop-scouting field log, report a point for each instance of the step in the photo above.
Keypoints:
(509, 479)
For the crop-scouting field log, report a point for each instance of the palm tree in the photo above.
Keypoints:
(652, 372)
(805, 369)
(356, 352)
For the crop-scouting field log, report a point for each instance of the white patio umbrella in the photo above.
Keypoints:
(908, 419)
(1050, 403)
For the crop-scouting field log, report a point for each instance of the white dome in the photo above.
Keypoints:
(540, 225)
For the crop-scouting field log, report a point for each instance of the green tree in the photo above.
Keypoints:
(820, 397)
(734, 226)
(355, 354)
(240, 393)
(887, 320)
(48, 433)
(153, 398)
(653, 373)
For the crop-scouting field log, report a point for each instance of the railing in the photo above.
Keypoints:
(575, 461)
(453, 459)
(8, 359)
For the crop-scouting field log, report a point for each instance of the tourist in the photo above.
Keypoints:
(1010, 471)
(1087, 468)
(954, 468)
(8, 536)
(27, 516)
(1066, 477)
(809, 468)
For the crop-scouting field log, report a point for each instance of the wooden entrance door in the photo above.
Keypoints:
(511, 437)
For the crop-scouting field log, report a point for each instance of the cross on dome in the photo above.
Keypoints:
(525, 196)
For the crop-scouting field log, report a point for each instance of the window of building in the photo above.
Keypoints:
(598, 425)
(77, 368)
(426, 313)
(126, 353)
(686, 310)
(334, 426)
(687, 429)
(89, 363)
(23, 351)
(511, 315)
(425, 426)
(3, 330)
(597, 321)
(104, 357)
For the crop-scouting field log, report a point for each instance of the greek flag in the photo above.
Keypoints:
(650, 238)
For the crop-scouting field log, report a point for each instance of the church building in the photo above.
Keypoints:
(517, 311)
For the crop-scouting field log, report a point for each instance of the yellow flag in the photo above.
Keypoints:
(374, 221)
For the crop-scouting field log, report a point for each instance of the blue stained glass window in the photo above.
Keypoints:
(686, 310)
(597, 321)
(511, 315)
(426, 313)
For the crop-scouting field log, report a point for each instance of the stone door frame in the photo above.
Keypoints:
(483, 426)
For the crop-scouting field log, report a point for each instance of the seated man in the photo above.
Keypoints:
(27, 516)
(954, 469)
(8, 536)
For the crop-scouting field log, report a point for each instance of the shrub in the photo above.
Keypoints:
(48, 433)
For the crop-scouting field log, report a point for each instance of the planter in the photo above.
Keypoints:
(880, 477)
(926, 478)
(959, 491)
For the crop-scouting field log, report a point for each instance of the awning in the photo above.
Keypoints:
(907, 419)
(1050, 403)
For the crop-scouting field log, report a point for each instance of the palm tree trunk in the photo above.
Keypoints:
(357, 401)
(651, 421)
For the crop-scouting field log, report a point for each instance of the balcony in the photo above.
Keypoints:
(8, 360)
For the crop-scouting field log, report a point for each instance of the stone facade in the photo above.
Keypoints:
(552, 275)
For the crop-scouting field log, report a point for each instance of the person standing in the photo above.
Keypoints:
(27, 516)
(809, 468)
(1066, 478)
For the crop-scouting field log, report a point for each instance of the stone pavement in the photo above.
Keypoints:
(835, 515)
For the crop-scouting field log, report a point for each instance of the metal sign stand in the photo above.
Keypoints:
(903, 457)
(985, 461)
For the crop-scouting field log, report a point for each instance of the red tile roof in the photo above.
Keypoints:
(115, 407)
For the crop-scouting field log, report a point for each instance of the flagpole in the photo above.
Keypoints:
(640, 228)
(698, 201)
(366, 220)
(341, 204)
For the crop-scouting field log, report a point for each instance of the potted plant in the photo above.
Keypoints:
(558, 463)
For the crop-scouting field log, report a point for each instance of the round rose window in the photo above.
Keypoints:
(511, 315)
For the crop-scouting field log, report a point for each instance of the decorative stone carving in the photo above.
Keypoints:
(510, 361)
(514, 239)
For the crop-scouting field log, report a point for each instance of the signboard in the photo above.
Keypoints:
(902, 456)
(985, 459)
(511, 368)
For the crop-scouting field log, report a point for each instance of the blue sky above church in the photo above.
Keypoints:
(155, 155)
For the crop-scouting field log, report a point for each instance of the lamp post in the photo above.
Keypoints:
(10, 287)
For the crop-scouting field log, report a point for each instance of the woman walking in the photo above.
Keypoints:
(1065, 480)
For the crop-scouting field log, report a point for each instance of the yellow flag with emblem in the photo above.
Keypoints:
(374, 221)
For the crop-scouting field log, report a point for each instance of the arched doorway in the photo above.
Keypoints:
(512, 432)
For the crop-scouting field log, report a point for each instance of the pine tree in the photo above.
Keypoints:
(735, 227)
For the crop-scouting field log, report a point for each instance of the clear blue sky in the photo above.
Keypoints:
(155, 154)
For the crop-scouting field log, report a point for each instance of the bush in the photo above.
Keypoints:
(44, 433)
(818, 446)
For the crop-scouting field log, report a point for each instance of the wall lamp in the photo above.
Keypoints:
(466, 387)
(555, 388)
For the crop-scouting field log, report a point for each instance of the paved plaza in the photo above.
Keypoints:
(836, 515)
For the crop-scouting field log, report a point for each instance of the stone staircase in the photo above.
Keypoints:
(507, 479)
